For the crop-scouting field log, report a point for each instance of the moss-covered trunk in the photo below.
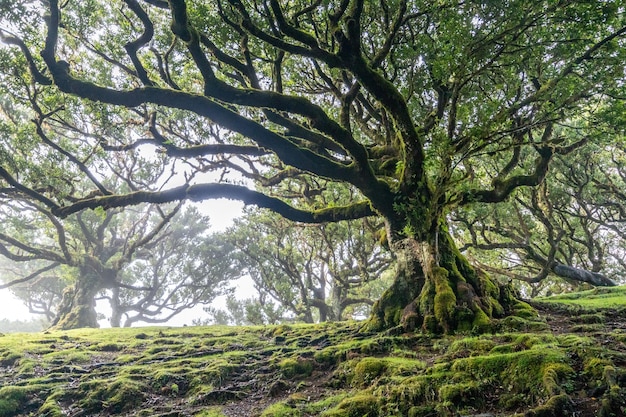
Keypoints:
(437, 290)
(78, 306)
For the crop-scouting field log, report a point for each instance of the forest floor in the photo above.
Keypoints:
(568, 360)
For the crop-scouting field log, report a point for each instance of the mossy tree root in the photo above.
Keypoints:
(436, 290)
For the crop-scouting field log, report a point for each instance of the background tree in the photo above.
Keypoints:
(41, 289)
(148, 263)
(401, 102)
(22, 326)
(315, 272)
(571, 227)
(247, 311)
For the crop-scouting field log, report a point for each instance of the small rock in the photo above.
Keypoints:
(278, 388)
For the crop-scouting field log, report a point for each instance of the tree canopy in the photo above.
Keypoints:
(416, 108)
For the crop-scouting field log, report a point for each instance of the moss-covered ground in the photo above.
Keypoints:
(567, 360)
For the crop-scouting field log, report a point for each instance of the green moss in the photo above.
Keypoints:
(601, 297)
(462, 394)
(340, 352)
(614, 402)
(114, 396)
(524, 341)
(557, 406)
(211, 412)
(400, 366)
(575, 341)
(50, 407)
(281, 329)
(482, 322)
(490, 288)
(587, 328)
(317, 407)
(27, 369)
(426, 298)
(403, 393)
(11, 400)
(430, 324)
(554, 377)
(594, 367)
(524, 310)
(291, 367)
(534, 371)
(595, 318)
(393, 314)
(72, 357)
(472, 345)
(9, 358)
(514, 323)
(360, 405)
(497, 310)
(280, 410)
(465, 318)
(422, 411)
(499, 373)
(445, 300)
(366, 370)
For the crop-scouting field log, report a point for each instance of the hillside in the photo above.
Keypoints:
(568, 360)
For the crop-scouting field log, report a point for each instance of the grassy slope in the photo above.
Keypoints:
(570, 360)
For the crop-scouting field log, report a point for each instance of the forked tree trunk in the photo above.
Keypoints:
(437, 291)
(78, 307)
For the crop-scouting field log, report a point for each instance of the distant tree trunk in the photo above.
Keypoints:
(116, 312)
(338, 295)
(436, 289)
(78, 306)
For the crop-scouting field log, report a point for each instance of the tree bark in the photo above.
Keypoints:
(116, 311)
(577, 274)
(436, 290)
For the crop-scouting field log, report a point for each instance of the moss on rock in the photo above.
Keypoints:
(360, 405)
(366, 370)
(556, 406)
(280, 410)
(296, 367)
(11, 400)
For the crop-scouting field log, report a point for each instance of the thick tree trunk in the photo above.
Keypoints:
(78, 307)
(437, 291)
